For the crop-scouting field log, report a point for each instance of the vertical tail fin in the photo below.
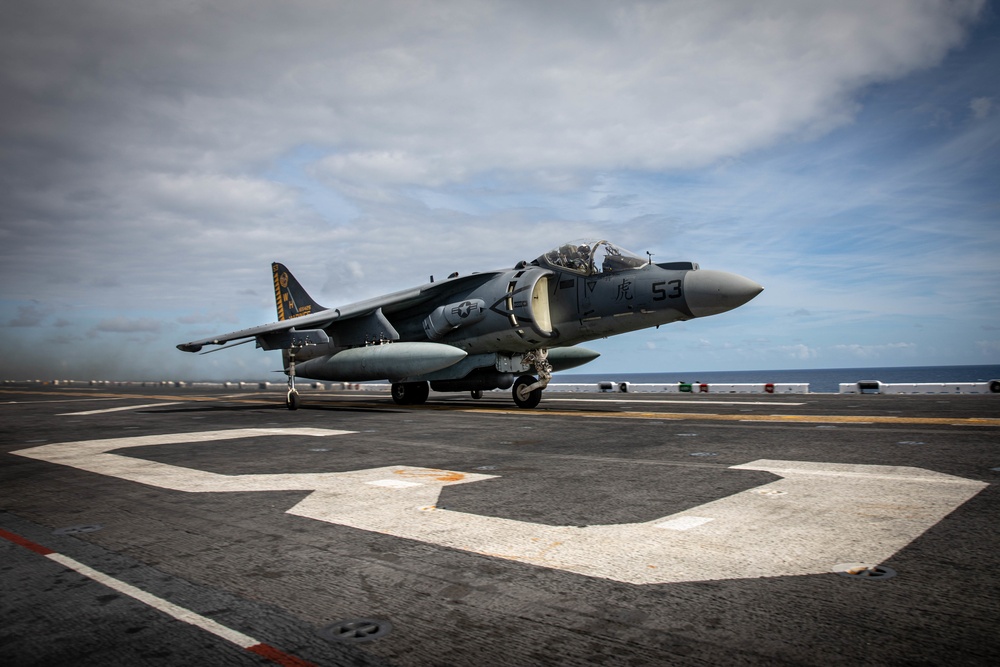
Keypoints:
(289, 296)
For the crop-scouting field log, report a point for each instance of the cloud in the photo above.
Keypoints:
(708, 345)
(126, 325)
(388, 167)
(30, 315)
(981, 107)
(799, 352)
(989, 348)
(404, 92)
(63, 339)
(615, 201)
(202, 317)
(874, 351)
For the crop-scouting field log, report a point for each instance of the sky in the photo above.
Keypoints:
(155, 158)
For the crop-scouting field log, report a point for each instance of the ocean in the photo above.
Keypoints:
(821, 380)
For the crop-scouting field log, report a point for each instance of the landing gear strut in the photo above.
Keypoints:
(292, 399)
(527, 391)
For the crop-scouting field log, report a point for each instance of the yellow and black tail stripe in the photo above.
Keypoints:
(280, 285)
(290, 299)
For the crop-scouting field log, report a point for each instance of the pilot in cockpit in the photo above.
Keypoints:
(593, 257)
(573, 257)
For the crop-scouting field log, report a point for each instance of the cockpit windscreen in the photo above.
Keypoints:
(591, 257)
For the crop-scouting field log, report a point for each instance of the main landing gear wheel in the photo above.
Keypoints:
(292, 400)
(477, 394)
(410, 393)
(524, 398)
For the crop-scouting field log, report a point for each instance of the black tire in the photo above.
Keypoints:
(995, 387)
(525, 400)
(410, 393)
(477, 394)
(292, 401)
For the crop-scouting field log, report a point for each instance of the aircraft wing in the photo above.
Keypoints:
(354, 318)
(316, 321)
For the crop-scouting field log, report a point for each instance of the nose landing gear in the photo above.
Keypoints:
(524, 395)
(527, 391)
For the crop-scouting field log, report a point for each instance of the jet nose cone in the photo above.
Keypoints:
(714, 292)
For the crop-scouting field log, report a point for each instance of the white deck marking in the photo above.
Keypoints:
(177, 612)
(169, 608)
(393, 483)
(684, 523)
(65, 400)
(121, 409)
(817, 514)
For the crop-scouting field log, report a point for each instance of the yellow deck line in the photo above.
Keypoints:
(743, 417)
(690, 416)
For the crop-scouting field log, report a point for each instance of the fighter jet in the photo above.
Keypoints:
(503, 329)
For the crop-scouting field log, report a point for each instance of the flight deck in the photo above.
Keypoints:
(163, 525)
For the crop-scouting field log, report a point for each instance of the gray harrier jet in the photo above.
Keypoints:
(492, 330)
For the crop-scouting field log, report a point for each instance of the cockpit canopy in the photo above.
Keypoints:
(589, 257)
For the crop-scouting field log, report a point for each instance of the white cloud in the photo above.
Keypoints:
(861, 351)
(981, 107)
(799, 352)
(389, 168)
(214, 196)
(431, 92)
(650, 86)
(989, 348)
(202, 317)
(127, 325)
